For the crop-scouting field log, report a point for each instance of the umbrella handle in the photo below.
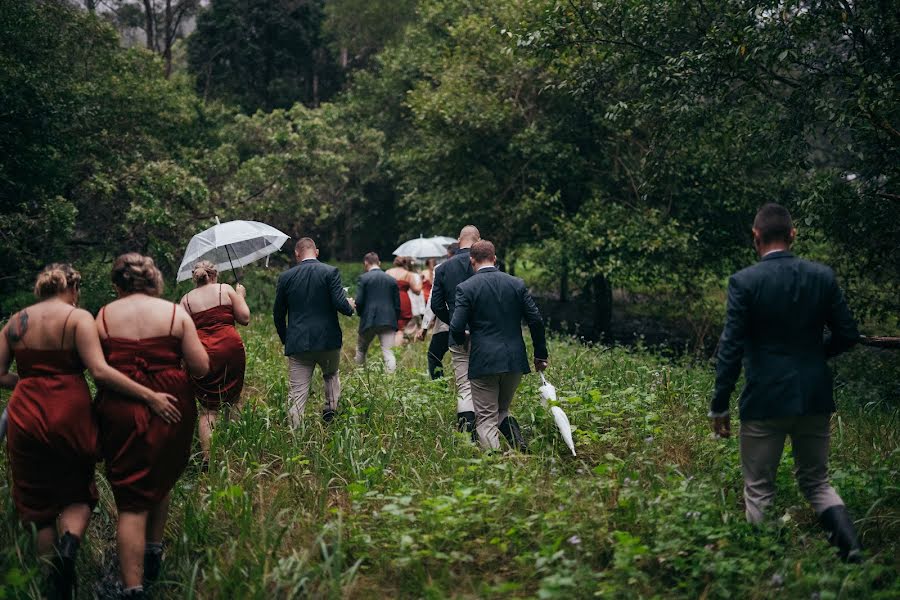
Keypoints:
(233, 272)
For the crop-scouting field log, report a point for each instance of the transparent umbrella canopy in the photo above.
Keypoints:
(423, 247)
(230, 245)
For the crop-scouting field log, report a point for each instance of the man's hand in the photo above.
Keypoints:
(541, 364)
(421, 335)
(352, 303)
(721, 426)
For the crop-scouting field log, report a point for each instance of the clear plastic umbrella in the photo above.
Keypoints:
(229, 245)
(423, 247)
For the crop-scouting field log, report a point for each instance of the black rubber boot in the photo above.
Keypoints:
(465, 422)
(138, 594)
(152, 565)
(62, 579)
(841, 533)
(510, 429)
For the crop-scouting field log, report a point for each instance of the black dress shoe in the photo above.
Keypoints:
(510, 429)
(152, 566)
(465, 422)
(841, 533)
(328, 416)
(63, 585)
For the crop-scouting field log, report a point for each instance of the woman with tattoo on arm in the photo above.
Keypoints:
(152, 341)
(52, 439)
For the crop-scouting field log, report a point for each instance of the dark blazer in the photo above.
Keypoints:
(310, 295)
(775, 320)
(377, 300)
(492, 306)
(443, 290)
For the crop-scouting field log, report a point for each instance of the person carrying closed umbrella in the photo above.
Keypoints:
(378, 307)
(307, 299)
(491, 306)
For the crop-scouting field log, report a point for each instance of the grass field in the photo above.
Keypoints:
(388, 501)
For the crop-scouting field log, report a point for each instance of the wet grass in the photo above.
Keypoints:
(388, 501)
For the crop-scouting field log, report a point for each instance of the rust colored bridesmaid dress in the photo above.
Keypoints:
(52, 436)
(227, 358)
(144, 455)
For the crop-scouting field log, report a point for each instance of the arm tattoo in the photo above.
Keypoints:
(16, 333)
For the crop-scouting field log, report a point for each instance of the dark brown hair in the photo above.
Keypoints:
(371, 258)
(135, 272)
(774, 224)
(483, 251)
(55, 279)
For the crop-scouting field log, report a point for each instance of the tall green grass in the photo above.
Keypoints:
(389, 501)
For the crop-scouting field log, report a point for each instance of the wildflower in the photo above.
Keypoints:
(574, 540)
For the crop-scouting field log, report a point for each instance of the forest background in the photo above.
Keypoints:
(615, 151)
(602, 145)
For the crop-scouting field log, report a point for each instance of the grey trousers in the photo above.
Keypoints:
(762, 443)
(300, 370)
(459, 358)
(492, 396)
(386, 338)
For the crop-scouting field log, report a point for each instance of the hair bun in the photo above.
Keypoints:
(203, 272)
(55, 279)
(134, 272)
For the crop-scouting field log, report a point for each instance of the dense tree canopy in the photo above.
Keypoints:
(620, 140)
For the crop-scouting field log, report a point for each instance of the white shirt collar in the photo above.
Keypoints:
(487, 267)
(774, 251)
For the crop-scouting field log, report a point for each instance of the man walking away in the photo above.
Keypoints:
(440, 336)
(776, 315)
(378, 307)
(308, 297)
(491, 305)
(443, 296)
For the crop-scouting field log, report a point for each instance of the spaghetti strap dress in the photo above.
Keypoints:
(227, 358)
(144, 455)
(52, 437)
(405, 305)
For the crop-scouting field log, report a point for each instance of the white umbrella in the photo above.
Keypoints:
(229, 245)
(548, 394)
(444, 240)
(423, 247)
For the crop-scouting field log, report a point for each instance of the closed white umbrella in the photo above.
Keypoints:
(548, 394)
(422, 247)
(229, 245)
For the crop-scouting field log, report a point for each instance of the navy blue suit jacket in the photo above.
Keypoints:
(492, 306)
(776, 316)
(377, 300)
(309, 296)
(443, 291)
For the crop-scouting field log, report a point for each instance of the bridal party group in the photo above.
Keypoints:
(163, 370)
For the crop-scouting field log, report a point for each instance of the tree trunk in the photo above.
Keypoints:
(602, 300)
(148, 24)
(345, 58)
(564, 281)
(168, 38)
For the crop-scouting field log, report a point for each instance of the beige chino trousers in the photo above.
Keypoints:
(300, 370)
(762, 443)
(492, 396)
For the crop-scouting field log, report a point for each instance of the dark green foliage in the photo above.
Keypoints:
(263, 54)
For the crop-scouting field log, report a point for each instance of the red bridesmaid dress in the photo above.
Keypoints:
(227, 358)
(405, 305)
(52, 436)
(144, 455)
(426, 289)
